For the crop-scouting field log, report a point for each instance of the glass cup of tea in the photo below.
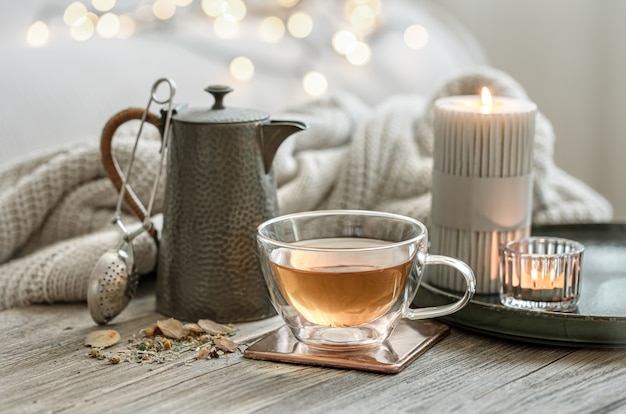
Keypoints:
(345, 278)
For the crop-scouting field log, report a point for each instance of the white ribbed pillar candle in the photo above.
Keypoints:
(482, 183)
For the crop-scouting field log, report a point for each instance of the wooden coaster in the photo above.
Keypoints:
(409, 340)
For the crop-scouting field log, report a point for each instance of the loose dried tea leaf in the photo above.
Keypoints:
(224, 344)
(172, 328)
(102, 339)
(158, 343)
(215, 328)
(193, 327)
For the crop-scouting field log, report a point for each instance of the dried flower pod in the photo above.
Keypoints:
(215, 328)
(115, 359)
(225, 344)
(151, 330)
(96, 353)
(102, 339)
(171, 328)
(203, 353)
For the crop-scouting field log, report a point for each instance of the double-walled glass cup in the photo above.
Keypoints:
(345, 278)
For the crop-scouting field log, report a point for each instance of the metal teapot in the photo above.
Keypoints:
(219, 188)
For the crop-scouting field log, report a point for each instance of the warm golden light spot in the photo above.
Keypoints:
(127, 27)
(74, 13)
(300, 25)
(363, 18)
(272, 29)
(287, 3)
(234, 10)
(360, 54)
(143, 13)
(164, 9)
(84, 29)
(343, 41)
(416, 36)
(103, 5)
(38, 34)
(108, 25)
(314, 83)
(486, 101)
(242, 68)
(225, 29)
(212, 8)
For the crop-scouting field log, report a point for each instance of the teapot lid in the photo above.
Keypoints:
(218, 113)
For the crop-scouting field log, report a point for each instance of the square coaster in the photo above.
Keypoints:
(409, 340)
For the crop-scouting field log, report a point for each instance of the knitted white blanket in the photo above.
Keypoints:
(55, 209)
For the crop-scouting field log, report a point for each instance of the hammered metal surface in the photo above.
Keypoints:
(217, 193)
(222, 116)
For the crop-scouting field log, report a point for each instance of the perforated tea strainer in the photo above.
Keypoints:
(114, 278)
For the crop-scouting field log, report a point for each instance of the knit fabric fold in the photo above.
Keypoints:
(56, 207)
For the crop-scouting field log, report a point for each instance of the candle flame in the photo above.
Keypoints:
(533, 277)
(533, 274)
(486, 101)
(543, 278)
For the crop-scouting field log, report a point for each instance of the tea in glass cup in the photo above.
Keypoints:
(345, 278)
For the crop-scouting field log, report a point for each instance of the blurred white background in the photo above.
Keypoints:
(568, 54)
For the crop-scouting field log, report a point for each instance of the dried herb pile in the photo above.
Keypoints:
(167, 340)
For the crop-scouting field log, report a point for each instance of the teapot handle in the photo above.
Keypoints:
(112, 167)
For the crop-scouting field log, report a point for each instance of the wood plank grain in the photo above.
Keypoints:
(44, 367)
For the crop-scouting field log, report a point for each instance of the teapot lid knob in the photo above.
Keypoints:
(218, 92)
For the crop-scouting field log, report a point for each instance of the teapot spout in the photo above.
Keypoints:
(272, 135)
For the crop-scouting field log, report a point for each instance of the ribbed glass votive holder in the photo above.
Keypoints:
(541, 273)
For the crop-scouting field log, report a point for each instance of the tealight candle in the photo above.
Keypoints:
(482, 182)
(541, 273)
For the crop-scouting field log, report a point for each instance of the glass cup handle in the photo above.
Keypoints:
(437, 311)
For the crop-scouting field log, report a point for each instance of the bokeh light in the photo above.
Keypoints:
(74, 13)
(363, 18)
(300, 25)
(234, 10)
(314, 83)
(225, 29)
(127, 27)
(363, 14)
(343, 41)
(103, 5)
(242, 68)
(212, 8)
(144, 14)
(287, 3)
(360, 54)
(415, 36)
(84, 28)
(108, 25)
(272, 29)
(164, 9)
(38, 34)
(182, 3)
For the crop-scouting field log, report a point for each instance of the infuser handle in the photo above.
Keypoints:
(112, 167)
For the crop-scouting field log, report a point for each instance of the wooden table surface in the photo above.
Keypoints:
(45, 367)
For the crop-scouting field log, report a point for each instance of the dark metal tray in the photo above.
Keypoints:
(600, 319)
